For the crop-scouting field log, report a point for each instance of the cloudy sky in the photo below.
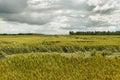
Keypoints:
(58, 16)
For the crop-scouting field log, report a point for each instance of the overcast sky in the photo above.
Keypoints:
(58, 16)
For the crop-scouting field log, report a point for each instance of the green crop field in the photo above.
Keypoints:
(59, 57)
(12, 44)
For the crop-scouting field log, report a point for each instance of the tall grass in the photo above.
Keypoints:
(58, 67)
(91, 61)
(42, 43)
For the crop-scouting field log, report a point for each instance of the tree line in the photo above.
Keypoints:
(22, 34)
(94, 33)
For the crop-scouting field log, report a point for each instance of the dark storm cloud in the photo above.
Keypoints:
(12, 6)
(33, 18)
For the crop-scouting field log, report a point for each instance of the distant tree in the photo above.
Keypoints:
(94, 33)
(71, 33)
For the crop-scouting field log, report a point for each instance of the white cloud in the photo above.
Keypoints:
(58, 16)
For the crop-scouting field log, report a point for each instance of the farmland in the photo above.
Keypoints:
(13, 44)
(59, 57)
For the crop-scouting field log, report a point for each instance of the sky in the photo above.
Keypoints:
(59, 16)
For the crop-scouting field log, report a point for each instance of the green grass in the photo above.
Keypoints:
(58, 67)
(65, 57)
(43, 43)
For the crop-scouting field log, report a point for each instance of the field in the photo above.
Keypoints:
(63, 57)
(13, 44)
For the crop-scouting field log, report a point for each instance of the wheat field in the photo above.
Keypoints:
(53, 57)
